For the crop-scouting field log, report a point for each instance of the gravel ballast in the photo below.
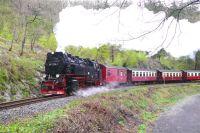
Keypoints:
(10, 115)
(27, 111)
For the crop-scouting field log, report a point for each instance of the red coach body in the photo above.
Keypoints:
(169, 75)
(189, 75)
(139, 75)
(113, 74)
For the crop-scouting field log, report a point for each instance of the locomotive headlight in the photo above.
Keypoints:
(57, 75)
(52, 52)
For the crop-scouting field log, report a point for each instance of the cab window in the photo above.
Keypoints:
(108, 73)
(121, 73)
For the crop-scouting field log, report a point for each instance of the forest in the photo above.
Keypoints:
(27, 34)
(115, 55)
(81, 96)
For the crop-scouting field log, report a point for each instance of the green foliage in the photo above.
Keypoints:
(121, 121)
(3, 75)
(185, 62)
(128, 103)
(48, 42)
(39, 124)
(118, 102)
(13, 21)
(116, 56)
(197, 59)
(6, 33)
(105, 53)
(25, 68)
(190, 12)
(148, 116)
(169, 62)
(142, 128)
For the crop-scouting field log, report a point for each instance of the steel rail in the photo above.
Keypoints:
(19, 103)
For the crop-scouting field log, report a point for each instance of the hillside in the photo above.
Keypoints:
(126, 110)
(20, 75)
(26, 35)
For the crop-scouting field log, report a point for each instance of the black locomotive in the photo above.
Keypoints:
(66, 72)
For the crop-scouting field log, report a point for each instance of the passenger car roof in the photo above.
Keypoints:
(191, 70)
(169, 70)
(116, 67)
(149, 70)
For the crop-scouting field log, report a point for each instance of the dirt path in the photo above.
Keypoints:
(182, 118)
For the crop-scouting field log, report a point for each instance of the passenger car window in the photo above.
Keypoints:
(137, 74)
(133, 73)
(143, 74)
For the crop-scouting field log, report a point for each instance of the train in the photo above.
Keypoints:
(65, 74)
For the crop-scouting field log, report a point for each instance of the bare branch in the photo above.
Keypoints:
(175, 13)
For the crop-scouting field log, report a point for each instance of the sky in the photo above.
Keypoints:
(90, 28)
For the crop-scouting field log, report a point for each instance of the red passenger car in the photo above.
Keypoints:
(189, 75)
(169, 75)
(137, 75)
(113, 74)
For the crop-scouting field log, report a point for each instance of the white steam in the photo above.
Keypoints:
(89, 28)
(94, 90)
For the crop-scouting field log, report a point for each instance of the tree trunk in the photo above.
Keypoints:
(33, 43)
(112, 53)
(14, 35)
(195, 66)
(24, 40)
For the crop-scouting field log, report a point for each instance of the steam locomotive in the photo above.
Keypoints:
(65, 74)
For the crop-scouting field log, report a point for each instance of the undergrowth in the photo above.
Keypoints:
(19, 74)
(128, 110)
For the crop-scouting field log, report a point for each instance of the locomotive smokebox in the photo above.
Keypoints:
(55, 63)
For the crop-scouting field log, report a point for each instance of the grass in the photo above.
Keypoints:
(132, 110)
(19, 73)
(39, 124)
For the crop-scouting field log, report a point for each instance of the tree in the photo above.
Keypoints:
(103, 54)
(197, 60)
(185, 62)
(161, 53)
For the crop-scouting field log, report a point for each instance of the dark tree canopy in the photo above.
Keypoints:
(188, 10)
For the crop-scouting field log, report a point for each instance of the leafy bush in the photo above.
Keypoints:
(48, 42)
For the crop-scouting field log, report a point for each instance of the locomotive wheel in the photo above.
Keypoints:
(72, 86)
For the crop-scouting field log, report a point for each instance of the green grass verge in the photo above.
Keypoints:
(39, 124)
(122, 110)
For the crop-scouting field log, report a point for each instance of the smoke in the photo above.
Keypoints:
(96, 90)
(88, 28)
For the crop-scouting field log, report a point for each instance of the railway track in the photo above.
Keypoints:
(19, 103)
